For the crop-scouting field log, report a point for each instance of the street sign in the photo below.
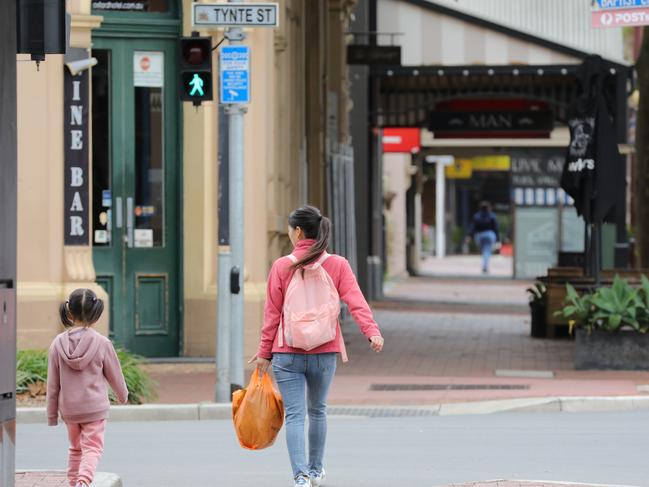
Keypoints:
(362, 54)
(235, 15)
(620, 17)
(235, 74)
(612, 4)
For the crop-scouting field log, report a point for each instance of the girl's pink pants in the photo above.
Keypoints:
(86, 447)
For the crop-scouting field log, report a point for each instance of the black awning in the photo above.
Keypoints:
(403, 96)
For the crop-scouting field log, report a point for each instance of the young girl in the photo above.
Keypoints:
(304, 377)
(80, 363)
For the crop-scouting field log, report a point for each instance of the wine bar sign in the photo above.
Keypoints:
(76, 158)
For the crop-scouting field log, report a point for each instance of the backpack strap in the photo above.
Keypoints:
(280, 340)
(321, 260)
(341, 342)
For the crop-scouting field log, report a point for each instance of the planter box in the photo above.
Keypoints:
(538, 321)
(601, 350)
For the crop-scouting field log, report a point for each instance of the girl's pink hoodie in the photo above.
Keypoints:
(343, 277)
(80, 364)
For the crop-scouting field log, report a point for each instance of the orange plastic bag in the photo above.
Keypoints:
(258, 413)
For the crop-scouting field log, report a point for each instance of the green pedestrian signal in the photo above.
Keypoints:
(197, 86)
(195, 69)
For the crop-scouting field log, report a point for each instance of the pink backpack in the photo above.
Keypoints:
(311, 309)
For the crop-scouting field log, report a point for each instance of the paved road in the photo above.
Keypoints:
(381, 452)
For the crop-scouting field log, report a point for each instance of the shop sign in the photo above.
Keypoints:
(405, 140)
(76, 139)
(620, 17)
(492, 122)
(536, 169)
(131, 6)
(373, 55)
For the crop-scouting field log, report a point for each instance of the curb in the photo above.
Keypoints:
(533, 483)
(102, 479)
(211, 411)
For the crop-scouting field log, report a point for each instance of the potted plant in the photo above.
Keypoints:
(611, 326)
(538, 304)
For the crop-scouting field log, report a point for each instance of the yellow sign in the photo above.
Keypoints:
(460, 169)
(491, 163)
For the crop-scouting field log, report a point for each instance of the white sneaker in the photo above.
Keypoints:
(317, 478)
(302, 481)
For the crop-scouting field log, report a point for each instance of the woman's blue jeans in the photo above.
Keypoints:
(486, 241)
(303, 381)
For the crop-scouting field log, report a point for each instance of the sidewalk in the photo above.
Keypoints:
(501, 266)
(435, 358)
(59, 479)
(526, 483)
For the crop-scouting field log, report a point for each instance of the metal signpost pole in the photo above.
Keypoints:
(234, 70)
(223, 378)
(236, 111)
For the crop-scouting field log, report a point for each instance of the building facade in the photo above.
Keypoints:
(118, 180)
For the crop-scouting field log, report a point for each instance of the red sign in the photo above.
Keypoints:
(401, 140)
(145, 63)
(620, 17)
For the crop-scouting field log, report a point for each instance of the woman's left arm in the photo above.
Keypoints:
(351, 294)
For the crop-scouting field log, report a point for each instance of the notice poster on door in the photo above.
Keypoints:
(143, 238)
(148, 69)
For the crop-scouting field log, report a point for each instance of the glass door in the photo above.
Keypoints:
(135, 190)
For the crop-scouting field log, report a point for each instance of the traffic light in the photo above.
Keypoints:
(195, 69)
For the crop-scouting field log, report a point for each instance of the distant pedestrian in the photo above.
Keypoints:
(302, 301)
(484, 229)
(80, 364)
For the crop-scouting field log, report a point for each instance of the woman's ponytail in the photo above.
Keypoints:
(315, 226)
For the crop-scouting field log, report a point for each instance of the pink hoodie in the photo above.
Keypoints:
(80, 364)
(343, 277)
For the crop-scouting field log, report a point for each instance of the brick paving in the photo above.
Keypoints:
(454, 355)
(461, 291)
(41, 479)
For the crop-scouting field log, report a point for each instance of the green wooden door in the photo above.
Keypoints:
(135, 190)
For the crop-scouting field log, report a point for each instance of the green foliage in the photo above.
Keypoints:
(609, 308)
(141, 387)
(537, 293)
(31, 369)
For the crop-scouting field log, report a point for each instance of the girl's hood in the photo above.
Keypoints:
(79, 348)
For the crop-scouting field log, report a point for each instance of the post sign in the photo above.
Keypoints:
(235, 15)
(235, 74)
(76, 139)
(620, 17)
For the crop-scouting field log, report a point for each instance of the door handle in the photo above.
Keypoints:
(129, 222)
(118, 212)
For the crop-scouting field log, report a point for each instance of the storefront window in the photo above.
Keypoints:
(101, 171)
(149, 148)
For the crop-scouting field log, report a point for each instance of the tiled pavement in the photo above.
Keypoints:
(41, 479)
(467, 266)
(447, 356)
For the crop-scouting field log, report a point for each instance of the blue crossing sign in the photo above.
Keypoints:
(610, 4)
(235, 74)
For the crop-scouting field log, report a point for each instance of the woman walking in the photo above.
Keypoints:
(304, 362)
